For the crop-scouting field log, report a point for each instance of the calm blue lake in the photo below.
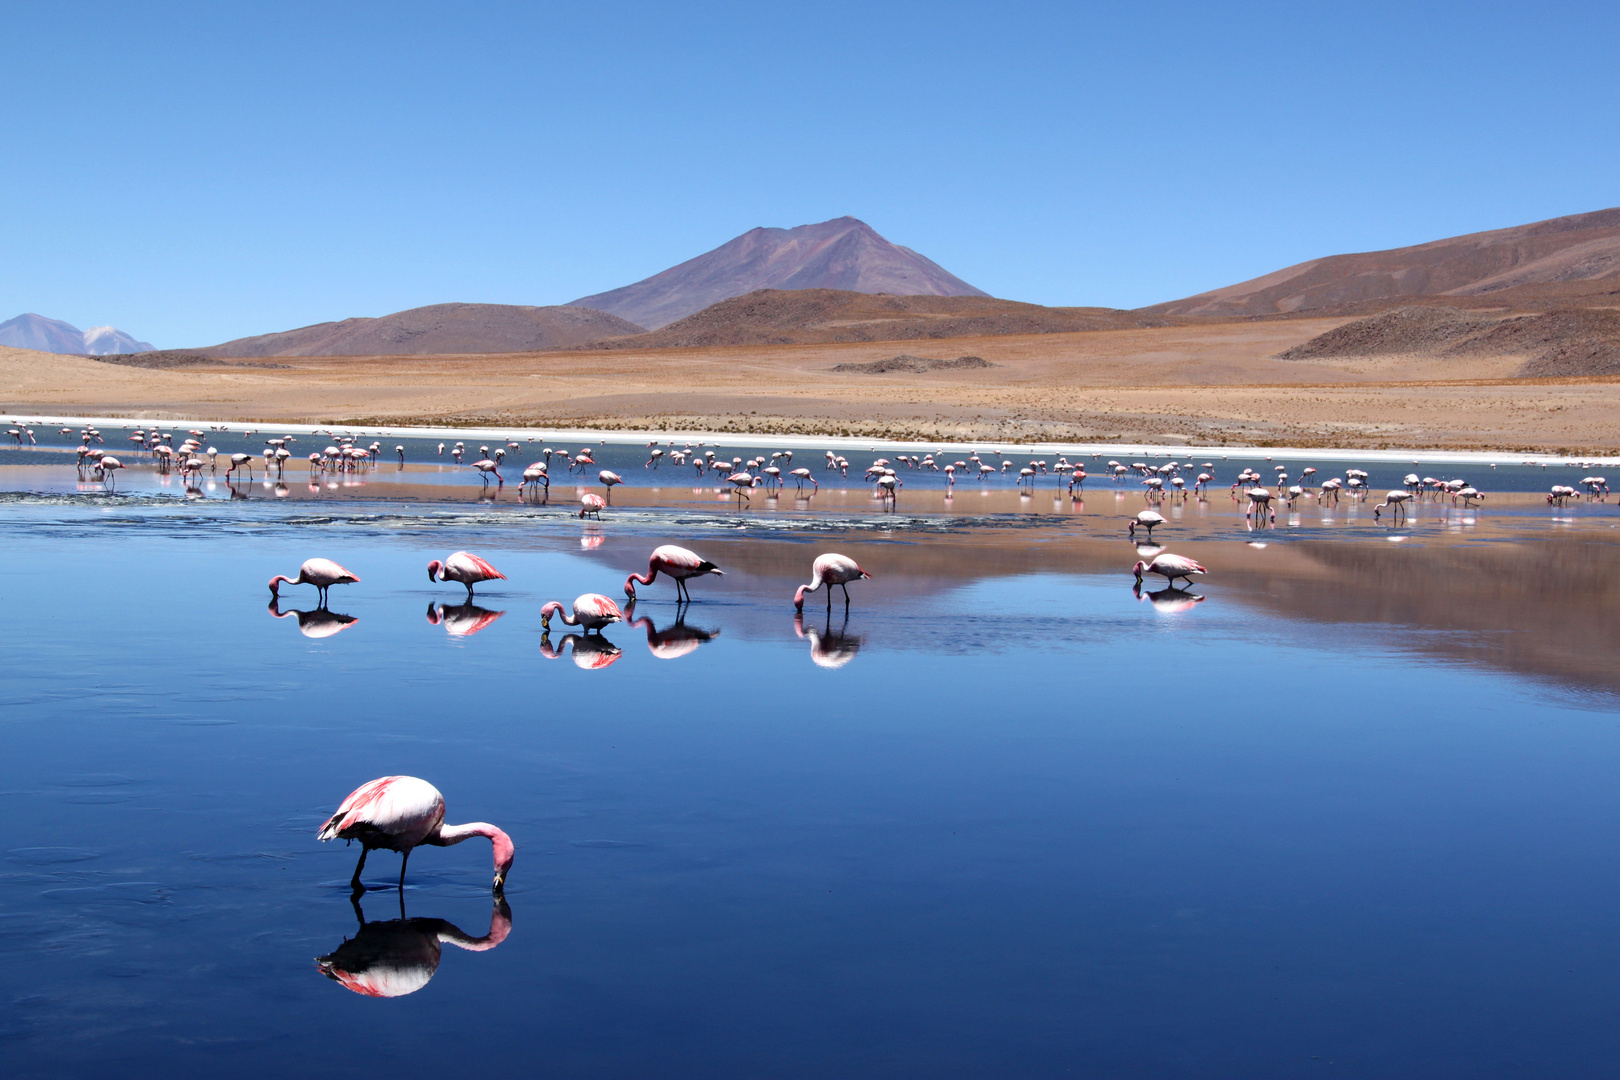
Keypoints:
(1354, 812)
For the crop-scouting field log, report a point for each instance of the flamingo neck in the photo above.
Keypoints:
(504, 849)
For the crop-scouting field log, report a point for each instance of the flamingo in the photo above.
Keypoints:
(401, 813)
(1170, 567)
(829, 570)
(591, 610)
(321, 573)
(108, 466)
(489, 468)
(1148, 519)
(463, 567)
(801, 475)
(673, 562)
(591, 503)
(608, 479)
(1395, 501)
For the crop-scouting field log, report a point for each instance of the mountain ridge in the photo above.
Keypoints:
(31, 331)
(1564, 258)
(436, 329)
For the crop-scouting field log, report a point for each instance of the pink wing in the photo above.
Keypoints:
(677, 557)
(597, 606)
(478, 564)
(393, 805)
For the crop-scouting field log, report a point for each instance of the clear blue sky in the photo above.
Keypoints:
(197, 172)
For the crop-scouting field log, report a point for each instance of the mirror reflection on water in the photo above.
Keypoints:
(1347, 798)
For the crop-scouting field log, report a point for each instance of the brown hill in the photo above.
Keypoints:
(1571, 260)
(1577, 341)
(844, 253)
(440, 328)
(815, 316)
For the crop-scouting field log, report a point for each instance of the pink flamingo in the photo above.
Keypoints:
(591, 503)
(801, 475)
(829, 570)
(463, 567)
(607, 479)
(1147, 519)
(321, 573)
(591, 610)
(1395, 502)
(489, 468)
(673, 562)
(401, 813)
(1170, 567)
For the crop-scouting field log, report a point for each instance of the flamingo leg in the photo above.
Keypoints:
(354, 882)
(403, 862)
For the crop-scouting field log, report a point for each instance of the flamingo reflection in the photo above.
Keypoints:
(829, 648)
(317, 623)
(461, 620)
(1168, 601)
(591, 651)
(672, 641)
(396, 957)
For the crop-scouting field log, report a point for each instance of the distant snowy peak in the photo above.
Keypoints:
(104, 340)
(55, 336)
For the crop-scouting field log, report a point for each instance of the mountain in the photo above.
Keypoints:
(804, 316)
(1564, 261)
(55, 336)
(439, 328)
(843, 253)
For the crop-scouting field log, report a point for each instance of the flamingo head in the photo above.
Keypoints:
(798, 599)
(505, 852)
(433, 569)
(547, 612)
(630, 589)
(1139, 569)
(275, 582)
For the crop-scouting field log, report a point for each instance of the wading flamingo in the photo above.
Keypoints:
(1170, 567)
(829, 570)
(674, 562)
(1147, 519)
(464, 568)
(590, 503)
(1395, 502)
(400, 813)
(607, 479)
(321, 573)
(591, 610)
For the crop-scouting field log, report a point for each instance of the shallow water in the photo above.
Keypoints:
(1353, 810)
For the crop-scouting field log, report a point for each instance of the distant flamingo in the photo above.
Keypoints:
(801, 475)
(591, 610)
(608, 479)
(463, 567)
(1395, 502)
(673, 562)
(591, 503)
(1148, 519)
(1170, 567)
(321, 573)
(488, 468)
(401, 813)
(829, 570)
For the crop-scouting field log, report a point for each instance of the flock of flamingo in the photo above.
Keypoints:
(402, 813)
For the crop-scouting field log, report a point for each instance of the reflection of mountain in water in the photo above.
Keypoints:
(399, 956)
(316, 623)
